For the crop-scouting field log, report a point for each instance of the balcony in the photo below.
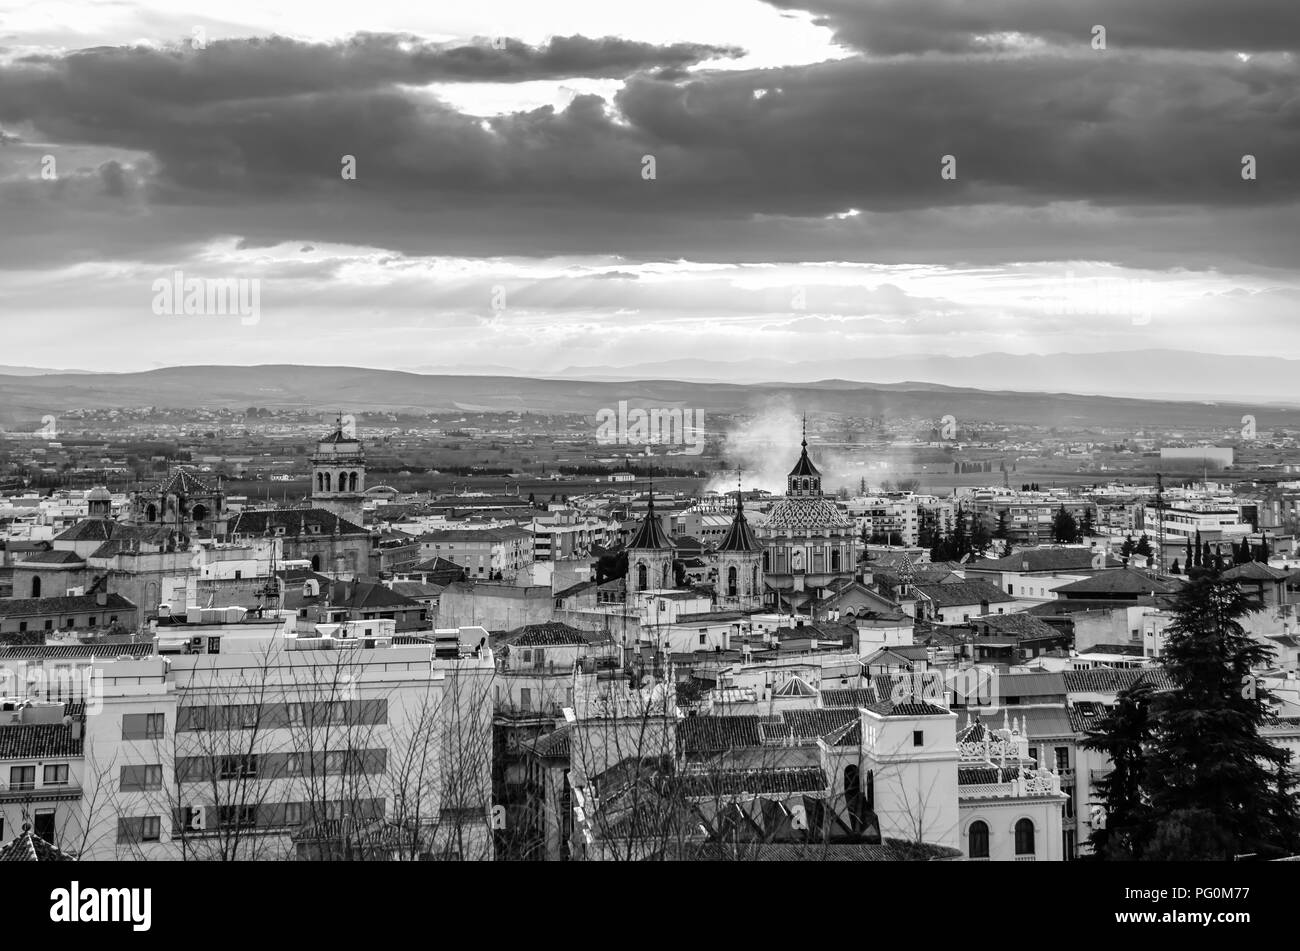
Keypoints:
(29, 792)
(1026, 858)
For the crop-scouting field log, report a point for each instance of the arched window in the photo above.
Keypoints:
(668, 578)
(731, 581)
(641, 578)
(753, 589)
(200, 512)
(352, 481)
(835, 559)
(1024, 837)
(315, 562)
(853, 796)
(327, 481)
(36, 587)
(151, 513)
(977, 839)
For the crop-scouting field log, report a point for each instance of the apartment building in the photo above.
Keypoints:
(255, 739)
(482, 553)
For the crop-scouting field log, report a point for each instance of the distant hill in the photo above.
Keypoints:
(326, 389)
(34, 371)
(1146, 374)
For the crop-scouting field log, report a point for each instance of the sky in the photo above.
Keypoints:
(532, 187)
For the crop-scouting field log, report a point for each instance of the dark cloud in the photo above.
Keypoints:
(253, 132)
(958, 26)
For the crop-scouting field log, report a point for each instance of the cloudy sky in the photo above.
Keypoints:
(503, 213)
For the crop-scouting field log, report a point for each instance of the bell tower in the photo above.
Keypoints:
(338, 472)
(649, 555)
(739, 559)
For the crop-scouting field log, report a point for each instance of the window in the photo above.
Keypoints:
(22, 626)
(143, 829)
(977, 840)
(214, 645)
(49, 625)
(1024, 837)
(1062, 758)
(918, 738)
(22, 778)
(92, 621)
(141, 778)
(293, 764)
(1033, 755)
(704, 639)
(292, 813)
(55, 776)
(336, 761)
(297, 714)
(143, 726)
(243, 766)
(244, 817)
(525, 698)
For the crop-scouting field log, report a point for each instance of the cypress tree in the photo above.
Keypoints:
(1207, 755)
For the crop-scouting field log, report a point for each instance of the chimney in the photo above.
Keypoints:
(76, 728)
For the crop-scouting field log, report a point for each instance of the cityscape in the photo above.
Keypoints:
(768, 431)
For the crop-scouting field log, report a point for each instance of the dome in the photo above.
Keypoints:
(805, 512)
(99, 494)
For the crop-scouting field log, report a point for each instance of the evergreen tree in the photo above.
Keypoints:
(1087, 528)
(1175, 569)
(980, 538)
(1064, 528)
(1126, 550)
(1190, 558)
(960, 537)
(1143, 547)
(1124, 735)
(1003, 529)
(1207, 754)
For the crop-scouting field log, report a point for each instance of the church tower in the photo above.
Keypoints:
(739, 562)
(338, 473)
(649, 555)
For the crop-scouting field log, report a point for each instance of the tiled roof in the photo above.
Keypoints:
(1035, 684)
(61, 651)
(811, 724)
(440, 570)
(292, 521)
(712, 734)
(963, 592)
(575, 589)
(918, 710)
(1022, 627)
(1108, 680)
(29, 847)
(548, 633)
(849, 697)
(650, 534)
(1255, 571)
(1044, 722)
(734, 782)
(37, 741)
(91, 529)
(181, 482)
(79, 604)
(554, 745)
(985, 775)
(1087, 715)
(891, 851)
(740, 537)
(481, 535)
(1120, 581)
(804, 512)
(70, 558)
(1043, 558)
